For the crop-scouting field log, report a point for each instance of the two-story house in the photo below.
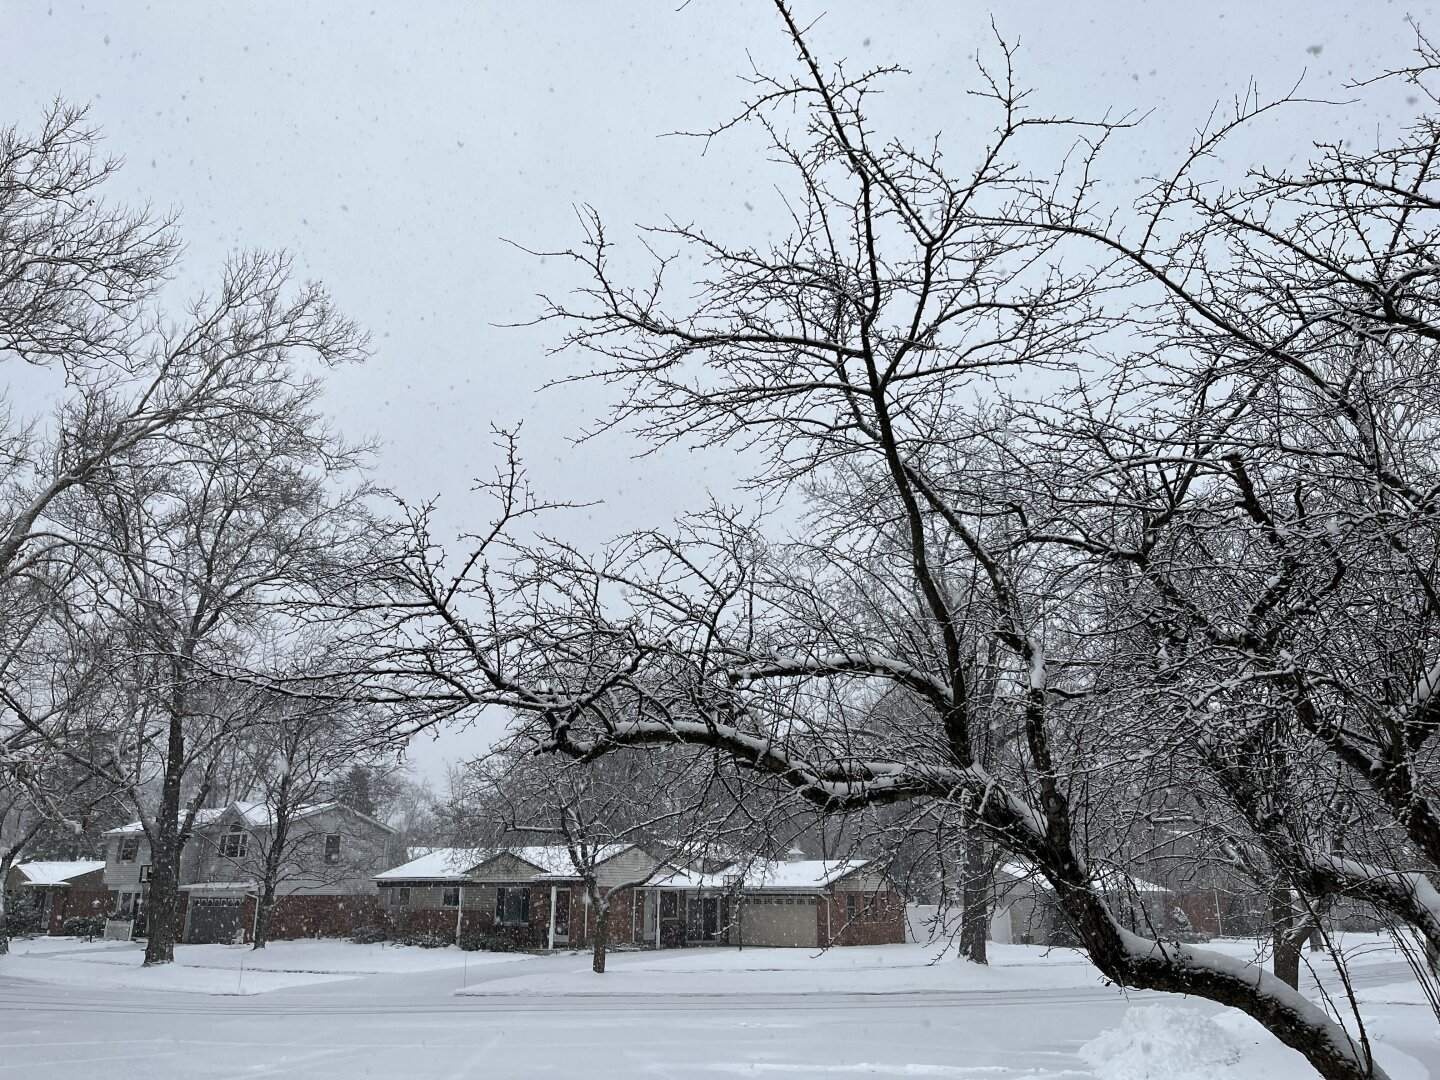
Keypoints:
(322, 873)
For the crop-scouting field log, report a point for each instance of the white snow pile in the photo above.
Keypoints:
(1161, 1042)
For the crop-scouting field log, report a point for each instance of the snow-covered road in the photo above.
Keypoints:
(547, 1016)
(403, 1026)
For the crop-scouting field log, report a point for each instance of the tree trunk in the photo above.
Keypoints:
(274, 854)
(976, 897)
(601, 940)
(4, 934)
(164, 891)
(162, 900)
(1283, 936)
(264, 905)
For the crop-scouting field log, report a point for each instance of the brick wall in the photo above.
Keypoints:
(77, 903)
(309, 916)
(885, 926)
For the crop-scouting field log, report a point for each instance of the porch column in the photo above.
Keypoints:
(551, 945)
(459, 914)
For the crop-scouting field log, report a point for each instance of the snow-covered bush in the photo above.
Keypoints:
(489, 943)
(368, 935)
(86, 926)
(1161, 1042)
(22, 914)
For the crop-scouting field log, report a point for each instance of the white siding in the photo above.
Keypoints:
(632, 865)
(505, 867)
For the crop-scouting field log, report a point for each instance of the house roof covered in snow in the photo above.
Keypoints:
(456, 864)
(554, 860)
(257, 815)
(788, 875)
(57, 873)
(1111, 880)
(766, 875)
(438, 864)
(206, 816)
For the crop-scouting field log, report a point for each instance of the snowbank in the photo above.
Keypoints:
(1162, 1042)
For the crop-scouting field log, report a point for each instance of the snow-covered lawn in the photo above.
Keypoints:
(887, 1011)
(874, 969)
(226, 969)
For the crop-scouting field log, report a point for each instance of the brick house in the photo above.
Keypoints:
(325, 887)
(534, 898)
(853, 904)
(62, 890)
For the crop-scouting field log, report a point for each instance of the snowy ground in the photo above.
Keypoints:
(225, 969)
(332, 1009)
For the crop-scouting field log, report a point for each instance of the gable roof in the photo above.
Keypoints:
(438, 864)
(206, 816)
(255, 814)
(553, 860)
(57, 873)
(457, 864)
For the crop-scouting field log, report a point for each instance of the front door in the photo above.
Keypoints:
(562, 916)
(710, 917)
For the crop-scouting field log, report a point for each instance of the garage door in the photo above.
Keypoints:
(780, 921)
(214, 920)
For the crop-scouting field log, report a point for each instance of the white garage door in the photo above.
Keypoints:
(777, 920)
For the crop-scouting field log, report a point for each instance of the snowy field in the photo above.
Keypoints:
(333, 1009)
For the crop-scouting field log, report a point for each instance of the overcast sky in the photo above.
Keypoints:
(393, 146)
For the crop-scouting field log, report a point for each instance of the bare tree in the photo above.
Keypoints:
(293, 750)
(75, 272)
(79, 293)
(865, 349)
(193, 544)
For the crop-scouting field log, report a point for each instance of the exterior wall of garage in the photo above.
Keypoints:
(862, 917)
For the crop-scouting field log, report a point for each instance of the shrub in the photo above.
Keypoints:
(489, 943)
(368, 935)
(22, 914)
(426, 939)
(89, 926)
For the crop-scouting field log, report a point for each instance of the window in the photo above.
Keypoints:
(451, 897)
(669, 905)
(872, 906)
(233, 843)
(402, 897)
(332, 849)
(129, 849)
(145, 873)
(850, 906)
(512, 905)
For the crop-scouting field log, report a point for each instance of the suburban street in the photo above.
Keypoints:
(414, 1025)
